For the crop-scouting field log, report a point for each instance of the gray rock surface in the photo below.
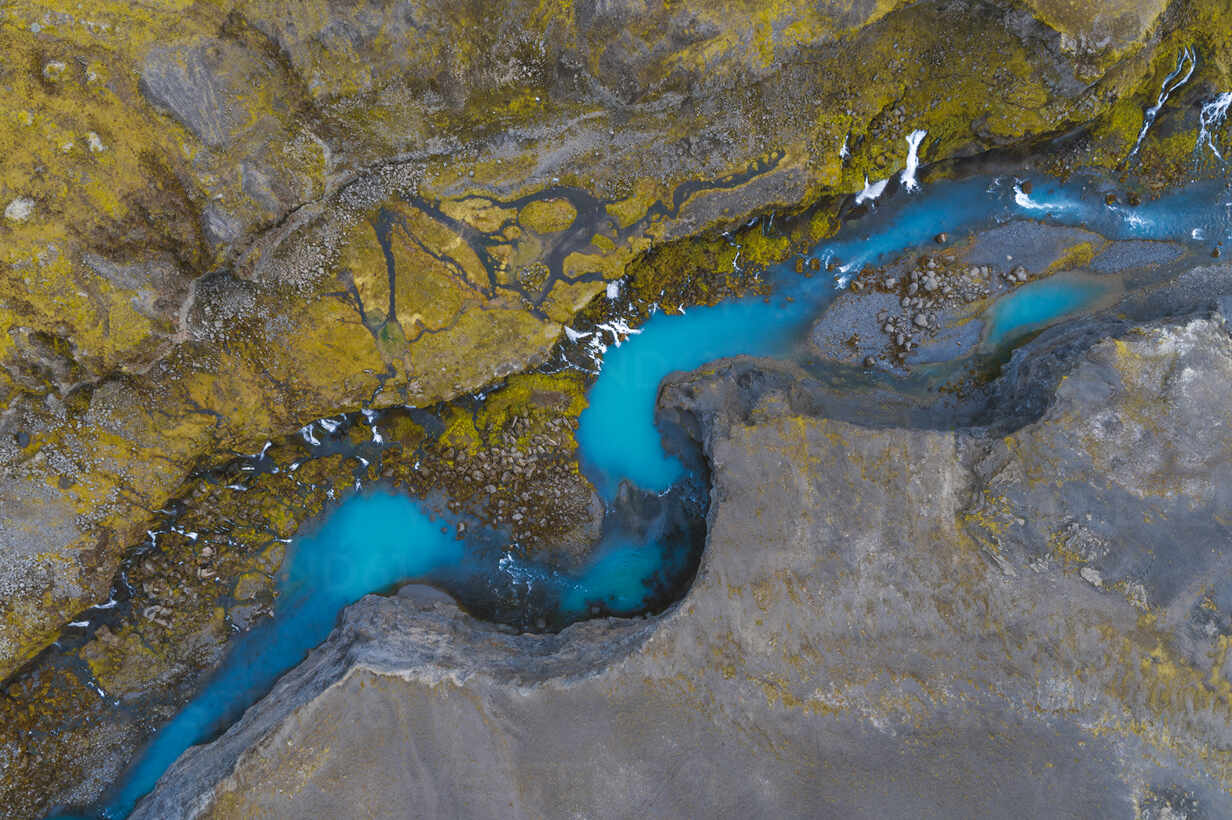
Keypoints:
(1128, 477)
(932, 314)
(854, 645)
(188, 83)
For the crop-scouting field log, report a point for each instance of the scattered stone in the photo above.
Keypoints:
(20, 209)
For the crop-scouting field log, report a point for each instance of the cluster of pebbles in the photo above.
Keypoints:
(936, 283)
(526, 479)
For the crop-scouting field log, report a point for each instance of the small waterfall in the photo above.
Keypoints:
(1185, 63)
(871, 191)
(1211, 121)
(913, 159)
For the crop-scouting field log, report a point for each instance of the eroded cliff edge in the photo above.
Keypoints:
(887, 622)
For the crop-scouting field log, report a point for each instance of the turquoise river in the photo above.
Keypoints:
(377, 539)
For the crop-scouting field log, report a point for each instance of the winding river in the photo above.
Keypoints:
(377, 539)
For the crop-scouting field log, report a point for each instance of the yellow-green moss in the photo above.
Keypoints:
(532, 394)
(547, 215)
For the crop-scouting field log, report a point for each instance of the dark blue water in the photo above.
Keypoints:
(377, 539)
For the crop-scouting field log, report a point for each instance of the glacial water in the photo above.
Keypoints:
(376, 539)
(1038, 304)
(368, 543)
(617, 433)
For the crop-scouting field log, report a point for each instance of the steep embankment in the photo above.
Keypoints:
(887, 621)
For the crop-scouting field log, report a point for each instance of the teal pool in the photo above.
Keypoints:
(1039, 304)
